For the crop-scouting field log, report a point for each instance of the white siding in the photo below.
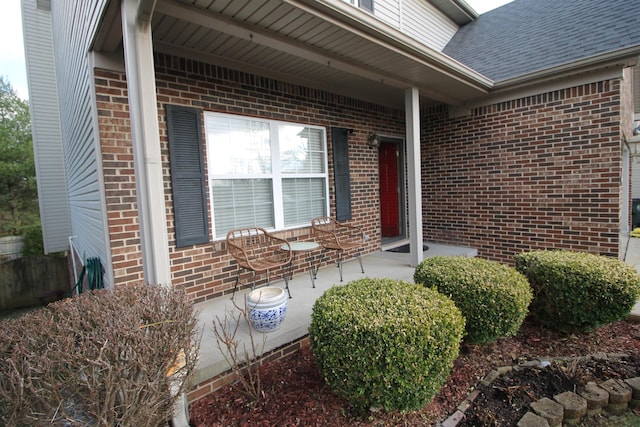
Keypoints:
(416, 18)
(427, 24)
(388, 11)
(45, 122)
(74, 22)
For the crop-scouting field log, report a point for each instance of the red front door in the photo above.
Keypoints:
(389, 191)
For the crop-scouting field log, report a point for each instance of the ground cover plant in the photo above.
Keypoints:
(108, 358)
(494, 298)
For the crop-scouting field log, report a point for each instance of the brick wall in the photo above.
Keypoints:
(119, 178)
(206, 271)
(534, 173)
(539, 172)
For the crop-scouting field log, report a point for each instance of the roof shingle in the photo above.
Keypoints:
(531, 35)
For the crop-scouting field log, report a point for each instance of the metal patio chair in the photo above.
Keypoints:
(256, 250)
(334, 235)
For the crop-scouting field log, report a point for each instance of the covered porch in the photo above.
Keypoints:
(384, 264)
(327, 45)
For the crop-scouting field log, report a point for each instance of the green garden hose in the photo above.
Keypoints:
(94, 273)
(93, 270)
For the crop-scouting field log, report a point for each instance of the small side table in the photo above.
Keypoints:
(304, 247)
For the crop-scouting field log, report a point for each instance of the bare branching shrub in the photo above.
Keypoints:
(244, 359)
(107, 358)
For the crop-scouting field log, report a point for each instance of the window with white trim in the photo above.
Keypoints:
(366, 5)
(264, 173)
(362, 4)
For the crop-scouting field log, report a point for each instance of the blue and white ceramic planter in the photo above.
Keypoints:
(267, 308)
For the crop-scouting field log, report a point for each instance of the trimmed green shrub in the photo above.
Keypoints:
(493, 297)
(577, 290)
(105, 357)
(385, 343)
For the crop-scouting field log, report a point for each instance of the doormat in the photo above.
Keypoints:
(404, 249)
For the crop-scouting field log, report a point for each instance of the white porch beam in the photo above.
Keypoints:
(138, 55)
(145, 11)
(412, 117)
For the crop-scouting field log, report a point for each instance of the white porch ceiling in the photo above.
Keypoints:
(324, 44)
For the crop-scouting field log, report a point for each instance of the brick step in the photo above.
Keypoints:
(614, 396)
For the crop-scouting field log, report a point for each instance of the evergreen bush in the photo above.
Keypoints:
(384, 343)
(33, 244)
(578, 290)
(494, 298)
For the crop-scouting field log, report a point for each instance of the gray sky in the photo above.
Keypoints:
(482, 6)
(12, 64)
(12, 48)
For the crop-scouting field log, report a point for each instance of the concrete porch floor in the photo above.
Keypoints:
(376, 265)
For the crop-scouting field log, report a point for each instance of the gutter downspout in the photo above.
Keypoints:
(140, 71)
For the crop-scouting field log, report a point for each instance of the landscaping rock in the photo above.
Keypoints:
(491, 376)
(454, 419)
(619, 395)
(596, 397)
(634, 383)
(532, 420)
(552, 411)
(504, 369)
(574, 406)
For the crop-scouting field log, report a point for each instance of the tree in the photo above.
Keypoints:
(18, 191)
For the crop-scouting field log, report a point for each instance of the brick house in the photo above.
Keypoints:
(505, 132)
(160, 125)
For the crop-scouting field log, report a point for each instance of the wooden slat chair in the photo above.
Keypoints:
(334, 235)
(256, 250)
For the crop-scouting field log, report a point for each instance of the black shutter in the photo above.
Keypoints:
(187, 175)
(340, 138)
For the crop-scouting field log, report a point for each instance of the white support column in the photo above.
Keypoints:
(412, 115)
(143, 111)
(138, 56)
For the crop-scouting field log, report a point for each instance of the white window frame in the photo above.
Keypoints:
(358, 4)
(276, 175)
(361, 6)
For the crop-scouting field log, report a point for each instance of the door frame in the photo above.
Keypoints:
(390, 242)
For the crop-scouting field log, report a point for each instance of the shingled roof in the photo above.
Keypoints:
(532, 35)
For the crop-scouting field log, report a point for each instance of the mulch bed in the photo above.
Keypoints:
(294, 393)
(508, 398)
